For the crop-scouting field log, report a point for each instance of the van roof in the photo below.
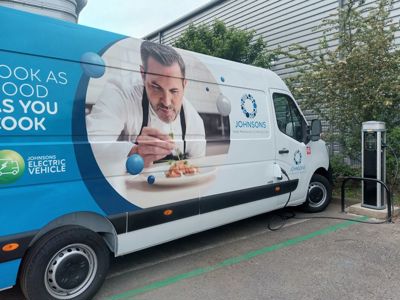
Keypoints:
(239, 74)
(73, 40)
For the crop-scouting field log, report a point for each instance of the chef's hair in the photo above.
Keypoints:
(163, 54)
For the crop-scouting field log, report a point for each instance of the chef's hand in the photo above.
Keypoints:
(152, 145)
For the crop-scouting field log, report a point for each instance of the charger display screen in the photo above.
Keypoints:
(370, 141)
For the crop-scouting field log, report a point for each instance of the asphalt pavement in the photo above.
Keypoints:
(308, 258)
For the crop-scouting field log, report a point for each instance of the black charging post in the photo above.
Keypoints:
(373, 164)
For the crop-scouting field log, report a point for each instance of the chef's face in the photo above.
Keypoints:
(164, 86)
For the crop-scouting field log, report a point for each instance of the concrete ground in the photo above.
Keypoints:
(306, 259)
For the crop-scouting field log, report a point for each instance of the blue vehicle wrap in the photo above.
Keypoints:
(45, 66)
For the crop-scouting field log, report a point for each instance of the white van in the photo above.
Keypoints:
(122, 144)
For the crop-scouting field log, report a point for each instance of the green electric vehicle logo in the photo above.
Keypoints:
(12, 166)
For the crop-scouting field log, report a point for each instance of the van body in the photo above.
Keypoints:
(74, 104)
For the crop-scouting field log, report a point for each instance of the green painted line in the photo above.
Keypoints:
(232, 261)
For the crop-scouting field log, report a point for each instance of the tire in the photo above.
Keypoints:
(69, 262)
(319, 194)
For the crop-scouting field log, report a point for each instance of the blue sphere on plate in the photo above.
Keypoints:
(134, 164)
(151, 179)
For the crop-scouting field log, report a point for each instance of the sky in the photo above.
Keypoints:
(135, 18)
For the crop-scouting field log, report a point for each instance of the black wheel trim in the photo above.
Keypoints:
(72, 272)
(317, 194)
(60, 289)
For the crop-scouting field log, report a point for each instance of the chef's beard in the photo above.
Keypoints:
(166, 113)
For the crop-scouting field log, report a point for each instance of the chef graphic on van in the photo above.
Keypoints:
(152, 114)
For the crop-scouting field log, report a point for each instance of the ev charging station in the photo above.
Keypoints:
(373, 164)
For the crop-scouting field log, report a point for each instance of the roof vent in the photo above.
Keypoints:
(67, 10)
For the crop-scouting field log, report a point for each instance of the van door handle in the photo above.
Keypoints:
(284, 151)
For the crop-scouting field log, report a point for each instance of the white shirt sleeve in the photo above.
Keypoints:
(106, 120)
(110, 116)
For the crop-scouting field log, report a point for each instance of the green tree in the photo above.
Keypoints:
(226, 42)
(393, 160)
(356, 81)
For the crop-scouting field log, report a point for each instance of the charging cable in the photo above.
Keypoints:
(283, 218)
(291, 214)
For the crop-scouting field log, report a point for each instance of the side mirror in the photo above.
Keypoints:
(316, 129)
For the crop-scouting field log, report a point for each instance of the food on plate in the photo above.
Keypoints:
(181, 167)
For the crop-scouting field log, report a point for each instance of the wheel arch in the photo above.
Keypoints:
(326, 173)
(88, 220)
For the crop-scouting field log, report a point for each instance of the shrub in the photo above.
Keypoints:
(341, 169)
(393, 157)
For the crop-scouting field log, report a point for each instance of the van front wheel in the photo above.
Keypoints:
(319, 194)
(70, 262)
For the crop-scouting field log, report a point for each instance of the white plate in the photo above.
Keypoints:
(161, 179)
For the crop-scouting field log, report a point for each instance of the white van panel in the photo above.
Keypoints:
(147, 237)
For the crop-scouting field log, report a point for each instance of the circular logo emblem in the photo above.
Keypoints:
(297, 157)
(12, 166)
(249, 106)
